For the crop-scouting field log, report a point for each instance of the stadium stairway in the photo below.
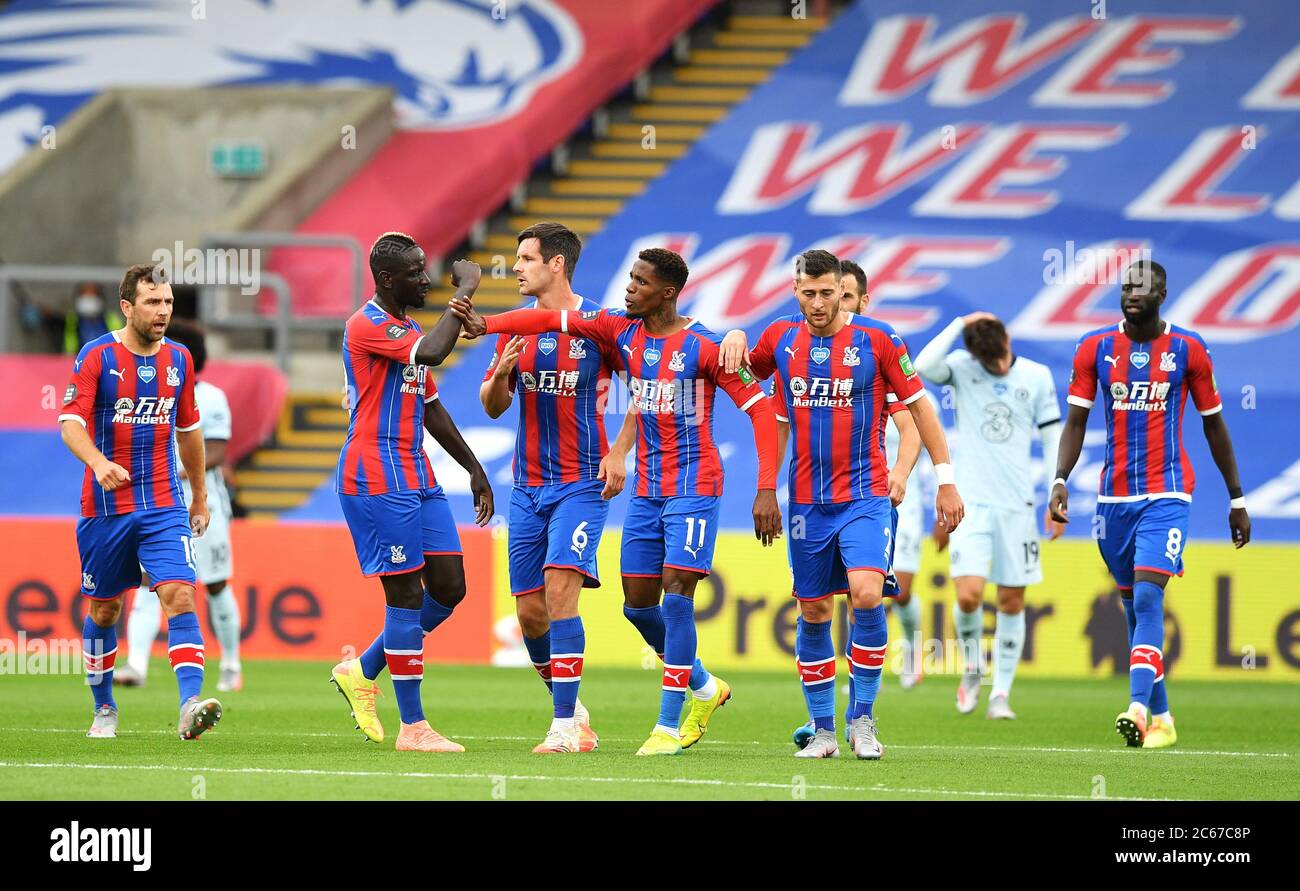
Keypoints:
(585, 182)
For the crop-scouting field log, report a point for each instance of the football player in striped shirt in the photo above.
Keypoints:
(834, 373)
(398, 515)
(673, 371)
(557, 512)
(1146, 368)
(131, 397)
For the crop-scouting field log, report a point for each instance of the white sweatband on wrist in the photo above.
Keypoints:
(944, 475)
(1059, 481)
(1237, 503)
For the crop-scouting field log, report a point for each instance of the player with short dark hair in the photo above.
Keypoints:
(557, 512)
(1001, 400)
(131, 397)
(1146, 367)
(835, 374)
(398, 515)
(213, 558)
(673, 372)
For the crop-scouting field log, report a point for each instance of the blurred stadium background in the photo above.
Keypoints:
(953, 147)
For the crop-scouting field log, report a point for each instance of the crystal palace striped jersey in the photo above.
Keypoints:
(386, 394)
(132, 406)
(1145, 387)
(672, 381)
(835, 391)
(563, 382)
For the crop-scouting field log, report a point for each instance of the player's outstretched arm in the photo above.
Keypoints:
(909, 450)
(948, 505)
(734, 351)
(437, 420)
(1216, 434)
(495, 393)
(77, 439)
(613, 467)
(1076, 424)
(190, 445)
(438, 344)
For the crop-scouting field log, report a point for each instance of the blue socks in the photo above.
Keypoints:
(432, 614)
(1144, 612)
(649, 621)
(539, 653)
(185, 650)
(816, 660)
(867, 658)
(99, 653)
(404, 652)
(568, 642)
(679, 656)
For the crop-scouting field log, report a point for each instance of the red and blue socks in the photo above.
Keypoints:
(404, 652)
(568, 644)
(185, 650)
(99, 654)
(870, 637)
(432, 614)
(679, 656)
(539, 653)
(1145, 614)
(649, 622)
(816, 660)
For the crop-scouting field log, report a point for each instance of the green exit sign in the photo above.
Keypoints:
(237, 158)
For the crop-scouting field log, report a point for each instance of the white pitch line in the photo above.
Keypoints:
(671, 781)
(1011, 750)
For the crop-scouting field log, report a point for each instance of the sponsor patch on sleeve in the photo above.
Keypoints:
(589, 313)
(745, 375)
(905, 363)
(70, 394)
(395, 332)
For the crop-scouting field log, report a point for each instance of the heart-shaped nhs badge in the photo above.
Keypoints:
(651, 356)
(147, 373)
(546, 344)
(820, 354)
(1139, 360)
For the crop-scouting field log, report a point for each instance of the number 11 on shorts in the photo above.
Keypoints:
(690, 535)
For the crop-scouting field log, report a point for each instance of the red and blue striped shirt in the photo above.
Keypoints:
(835, 391)
(387, 390)
(132, 406)
(563, 382)
(1146, 386)
(672, 381)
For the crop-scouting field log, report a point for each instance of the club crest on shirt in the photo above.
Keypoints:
(820, 354)
(173, 376)
(677, 362)
(1167, 362)
(395, 332)
(577, 348)
(546, 344)
(851, 356)
(651, 356)
(1022, 394)
(146, 373)
(1139, 360)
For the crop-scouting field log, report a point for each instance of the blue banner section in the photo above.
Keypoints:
(972, 158)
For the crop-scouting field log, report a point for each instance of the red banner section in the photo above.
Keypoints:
(32, 396)
(300, 591)
(435, 184)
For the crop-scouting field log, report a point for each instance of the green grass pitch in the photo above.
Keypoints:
(288, 735)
